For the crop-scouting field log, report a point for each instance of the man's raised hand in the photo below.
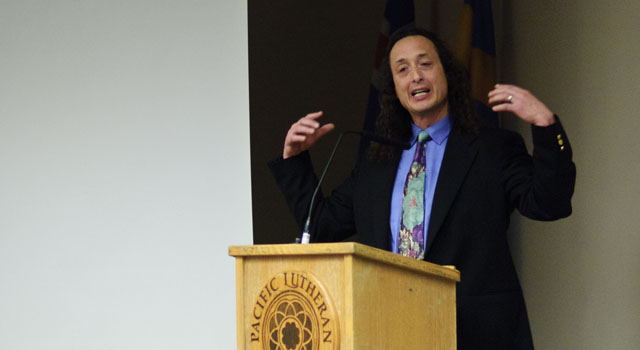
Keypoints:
(304, 133)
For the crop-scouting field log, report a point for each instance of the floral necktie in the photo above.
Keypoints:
(411, 236)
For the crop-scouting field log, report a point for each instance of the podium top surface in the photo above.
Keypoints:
(349, 248)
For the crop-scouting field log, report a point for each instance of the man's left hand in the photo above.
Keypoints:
(511, 98)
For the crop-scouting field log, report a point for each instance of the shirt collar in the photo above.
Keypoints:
(438, 131)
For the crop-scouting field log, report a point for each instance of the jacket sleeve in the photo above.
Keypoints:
(540, 186)
(332, 217)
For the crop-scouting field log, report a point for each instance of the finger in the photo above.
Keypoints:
(302, 134)
(505, 89)
(312, 139)
(314, 115)
(325, 129)
(497, 95)
(310, 119)
(297, 138)
(503, 107)
(503, 97)
(497, 89)
(309, 123)
(501, 89)
(303, 129)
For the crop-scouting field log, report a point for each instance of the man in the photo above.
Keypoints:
(449, 197)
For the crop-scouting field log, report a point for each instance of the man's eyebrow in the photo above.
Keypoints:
(402, 59)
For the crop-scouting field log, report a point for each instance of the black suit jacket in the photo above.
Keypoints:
(483, 178)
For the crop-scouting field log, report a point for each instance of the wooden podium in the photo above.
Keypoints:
(343, 296)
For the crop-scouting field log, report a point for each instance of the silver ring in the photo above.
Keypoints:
(509, 98)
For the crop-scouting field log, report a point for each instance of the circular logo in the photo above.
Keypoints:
(292, 312)
(291, 323)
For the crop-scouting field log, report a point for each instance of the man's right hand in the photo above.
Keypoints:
(303, 134)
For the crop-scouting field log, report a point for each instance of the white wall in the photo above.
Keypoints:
(124, 172)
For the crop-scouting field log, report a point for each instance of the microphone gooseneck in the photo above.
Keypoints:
(306, 236)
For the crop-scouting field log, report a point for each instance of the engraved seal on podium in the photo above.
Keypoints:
(293, 312)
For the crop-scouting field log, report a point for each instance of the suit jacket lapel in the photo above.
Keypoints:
(458, 157)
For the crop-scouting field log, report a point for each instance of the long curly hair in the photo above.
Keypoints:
(395, 122)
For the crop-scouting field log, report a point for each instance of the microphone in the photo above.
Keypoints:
(306, 237)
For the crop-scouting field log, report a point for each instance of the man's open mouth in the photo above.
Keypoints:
(420, 92)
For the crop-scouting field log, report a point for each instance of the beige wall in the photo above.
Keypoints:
(580, 275)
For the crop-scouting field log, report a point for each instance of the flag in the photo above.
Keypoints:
(475, 48)
(397, 14)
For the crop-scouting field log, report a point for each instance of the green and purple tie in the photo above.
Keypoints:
(411, 236)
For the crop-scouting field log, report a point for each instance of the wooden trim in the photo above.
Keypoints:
(347, 318)
(349, 248)
(240, 322)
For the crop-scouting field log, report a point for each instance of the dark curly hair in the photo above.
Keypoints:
(395, 122)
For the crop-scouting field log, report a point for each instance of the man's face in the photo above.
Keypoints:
(419, 79)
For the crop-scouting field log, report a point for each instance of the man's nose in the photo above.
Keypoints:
(416, 75)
